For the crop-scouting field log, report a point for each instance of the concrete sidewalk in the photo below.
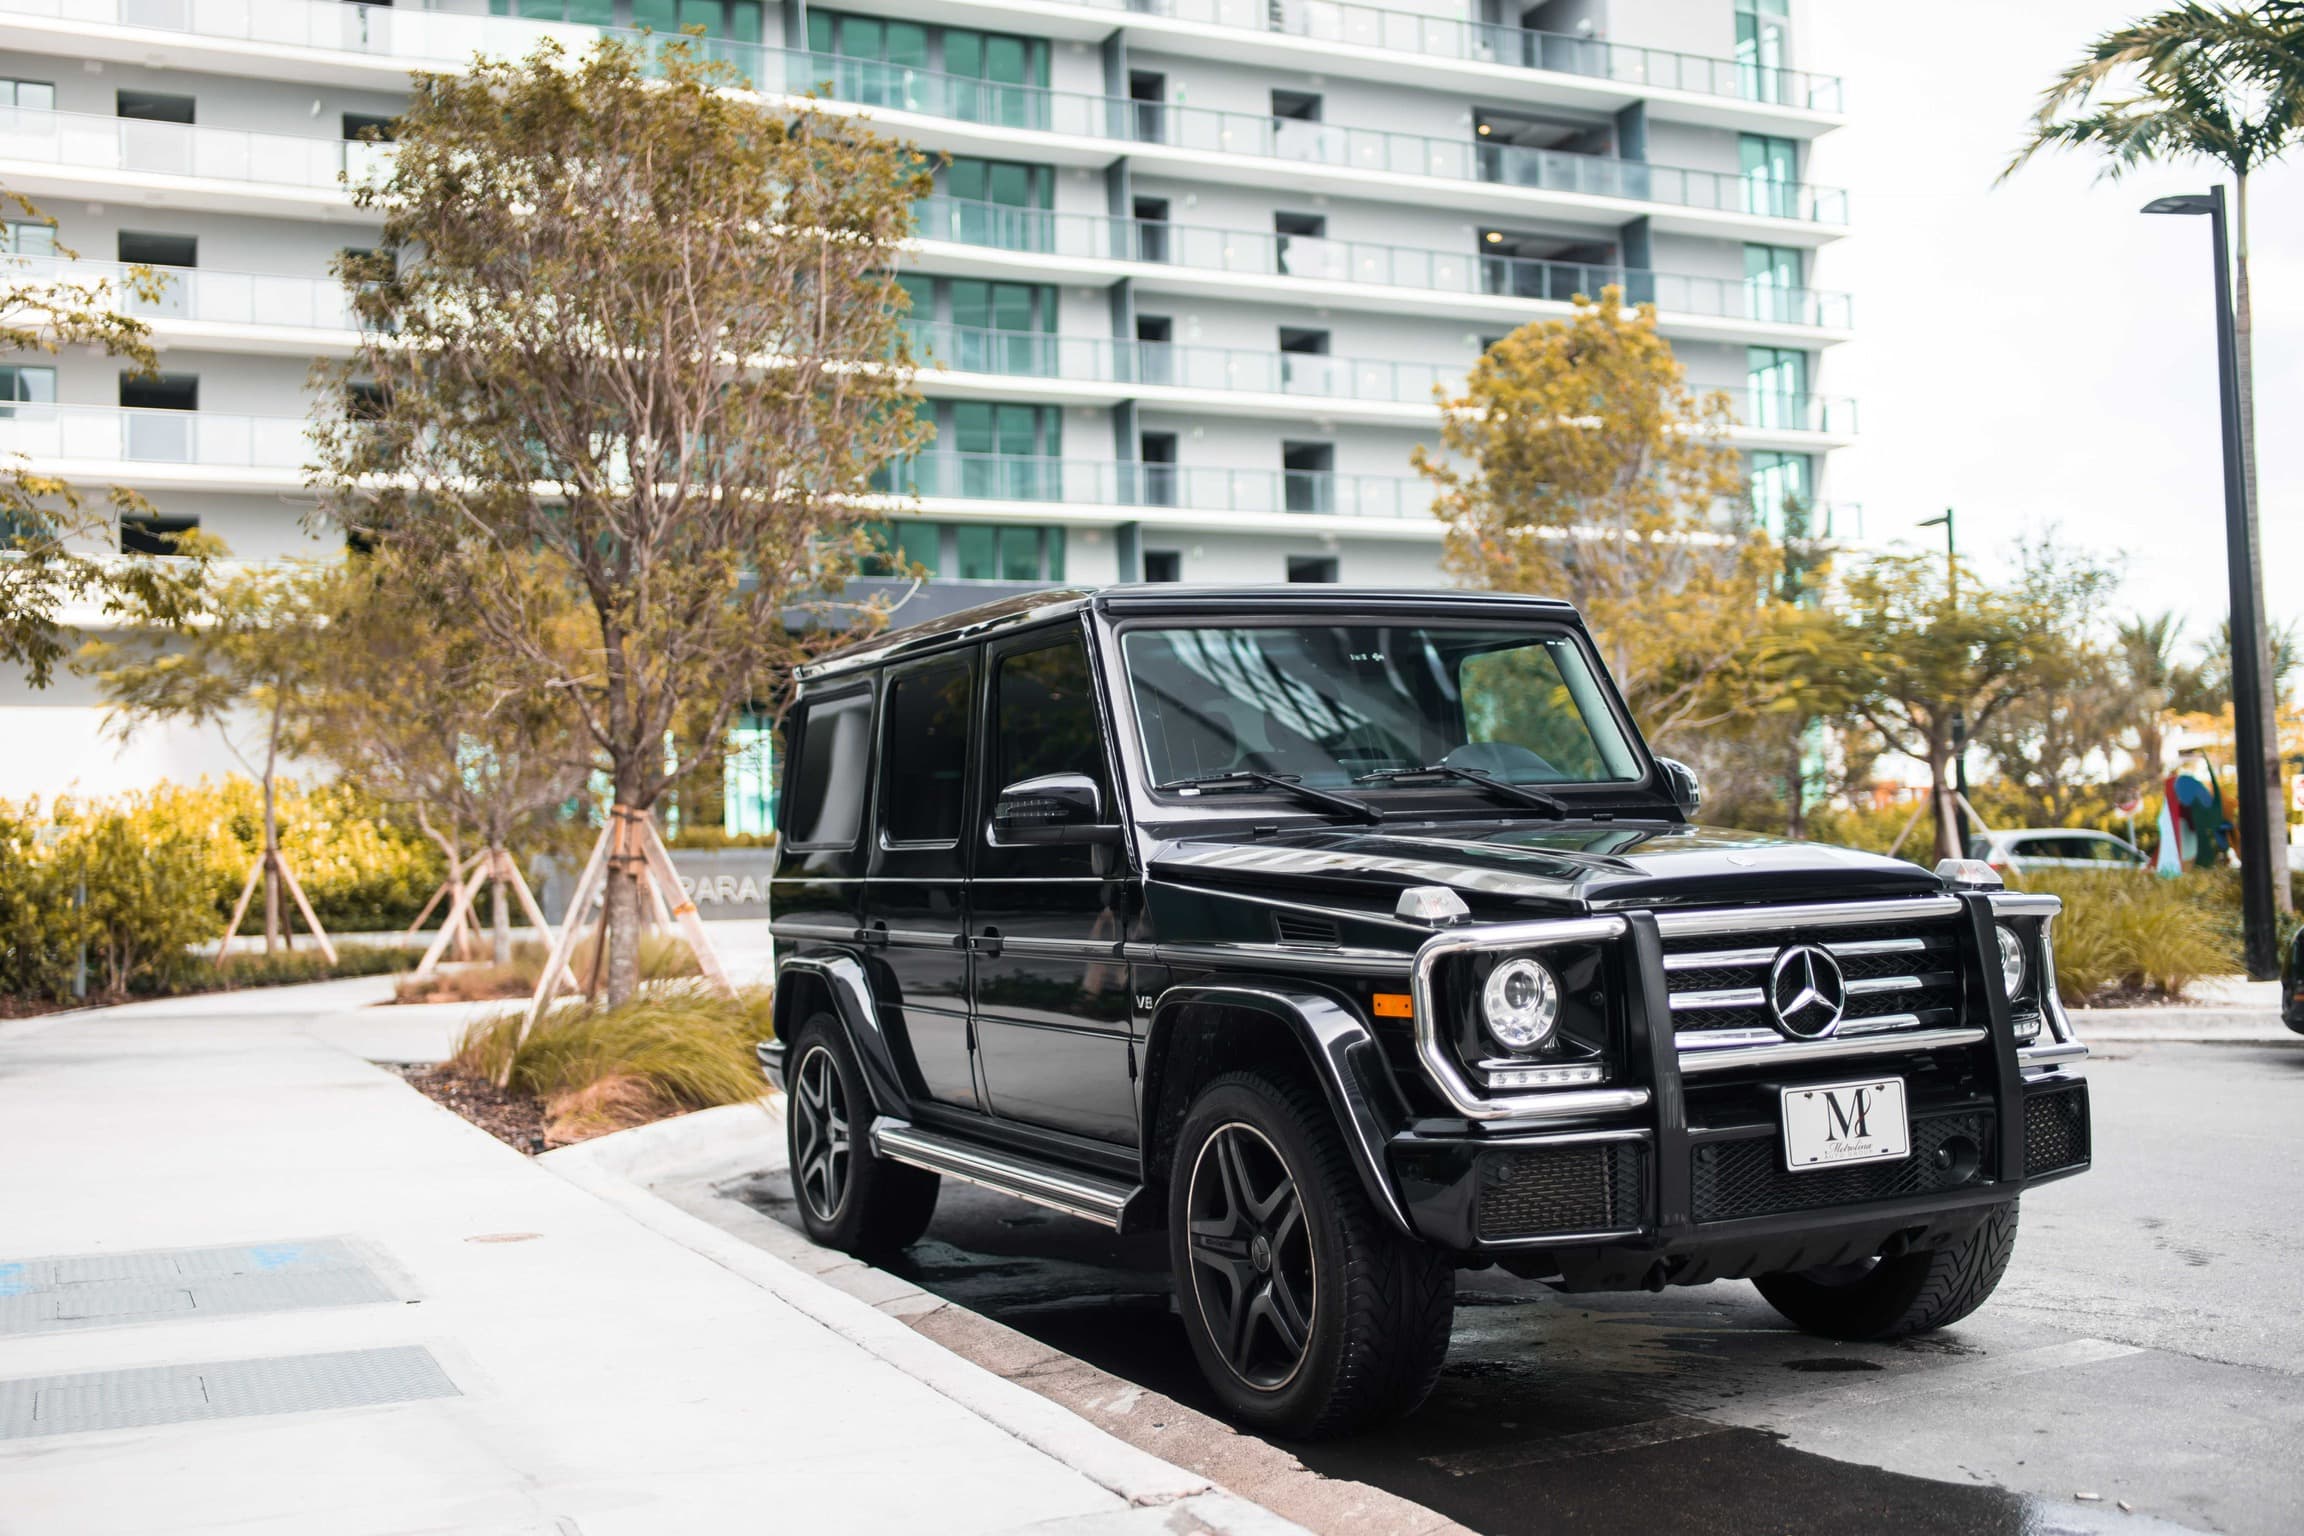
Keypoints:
(536, 1359)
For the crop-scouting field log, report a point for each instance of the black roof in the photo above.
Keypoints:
(1164, 596)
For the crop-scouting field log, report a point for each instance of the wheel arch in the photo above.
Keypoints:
(1200, 1032)
(836, 984)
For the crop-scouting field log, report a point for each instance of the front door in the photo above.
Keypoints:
(917, 899)
(1051, 989)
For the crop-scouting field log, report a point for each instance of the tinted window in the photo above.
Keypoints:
(926, 753)
(1045, 715)
(825, 801)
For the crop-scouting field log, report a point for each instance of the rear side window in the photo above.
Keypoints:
(824, 805)
(925, 760)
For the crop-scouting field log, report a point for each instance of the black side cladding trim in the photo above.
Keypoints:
(1648, 1019)
(1979, 956)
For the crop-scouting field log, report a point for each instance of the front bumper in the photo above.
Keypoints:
(1691, 1184)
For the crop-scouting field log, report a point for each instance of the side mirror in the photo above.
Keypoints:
(1054, 808)
(1680, 783)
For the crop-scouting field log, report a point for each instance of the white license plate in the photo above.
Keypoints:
(1830, 1125)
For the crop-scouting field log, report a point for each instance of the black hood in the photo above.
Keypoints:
(1540, 869)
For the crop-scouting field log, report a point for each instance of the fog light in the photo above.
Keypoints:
(1521, 1003)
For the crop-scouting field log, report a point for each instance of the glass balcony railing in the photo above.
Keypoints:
(1798, 411)
(106, 434)
(201, 294)
(1102, 359)
(1100, 237)
(425, 33)
(91, 142)
(1103, 483)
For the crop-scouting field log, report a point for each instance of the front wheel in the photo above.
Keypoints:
(849, 1199)
(1308, 1313)
(1893, 1298)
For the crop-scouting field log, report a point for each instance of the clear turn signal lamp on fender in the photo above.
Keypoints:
(1542, 1077)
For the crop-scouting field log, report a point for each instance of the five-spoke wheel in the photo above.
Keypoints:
(1253, 1275)
(819, 1113)
(848, 1198)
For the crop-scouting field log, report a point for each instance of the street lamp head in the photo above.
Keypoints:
(2182, 202)
(1933, 522)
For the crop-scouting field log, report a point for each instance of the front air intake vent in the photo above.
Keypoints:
(1305, 932)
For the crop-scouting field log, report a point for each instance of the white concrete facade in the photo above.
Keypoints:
(1227, 252)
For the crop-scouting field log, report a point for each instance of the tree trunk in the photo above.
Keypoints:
(271, 851)
(1796, 786)
(1940, 796)
(2273, 845)
(499, 913)
(625, 862)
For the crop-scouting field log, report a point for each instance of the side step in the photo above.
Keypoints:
(1088, 1196)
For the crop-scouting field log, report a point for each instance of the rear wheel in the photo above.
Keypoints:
(849, 1199)
(1308, 1313)
(1891, 1298)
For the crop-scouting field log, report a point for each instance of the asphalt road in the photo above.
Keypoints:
(2146, 1348)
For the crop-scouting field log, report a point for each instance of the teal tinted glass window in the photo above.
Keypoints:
(1019, 554)
(28, 239)
(978, 548)
(1055, 554)
(1776, 386)
(1771, 169)
(1776, 480)
(31, 386)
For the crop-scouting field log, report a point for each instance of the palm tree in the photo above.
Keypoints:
(2148, 664)
(2197, 82)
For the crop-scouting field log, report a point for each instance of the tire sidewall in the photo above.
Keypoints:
(821, 1033)
(1249, 1103)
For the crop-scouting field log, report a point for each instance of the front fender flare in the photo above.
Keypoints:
(1354, 1076)
(851, 991)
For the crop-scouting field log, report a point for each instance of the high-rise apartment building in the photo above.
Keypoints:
(1190, 272)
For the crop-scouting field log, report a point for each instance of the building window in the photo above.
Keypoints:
(748, 777)
(999, 203)
(1771, 175)
(1163, 565)
(31, 95)
(27, 386)
(738, 20)
(1776, 387)
(1772, 283)
(23, 238)
(155, 106)
(903, 546)
(1782, 488)
(1308, 477)
(1312, 568)
(993, 327)
(1760, 32)
(1009, 552)
(1007, 451)
(153, 535)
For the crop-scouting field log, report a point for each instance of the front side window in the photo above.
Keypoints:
(926, 756)
(824, 804)
(1045, 717)
(1328, 704)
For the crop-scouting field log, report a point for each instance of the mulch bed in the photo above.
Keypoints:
(515, 1119)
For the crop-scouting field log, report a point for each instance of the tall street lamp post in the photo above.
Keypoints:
(1959, 711)
(2257, 829)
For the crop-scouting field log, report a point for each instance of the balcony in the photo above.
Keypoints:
(1261, 253)
(206, 296)
(82, 142)
(430, 36)
(1174, 487)
(203, 440)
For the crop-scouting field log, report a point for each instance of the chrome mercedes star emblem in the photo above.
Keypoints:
(1806, 992)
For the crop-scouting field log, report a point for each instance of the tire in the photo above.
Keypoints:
(1893, 1298)
(1268, 1221)
(848, 1198)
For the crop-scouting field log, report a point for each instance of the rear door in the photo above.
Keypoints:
(916, 907)
(1051, 988)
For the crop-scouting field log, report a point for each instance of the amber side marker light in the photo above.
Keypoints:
(1394, 1005)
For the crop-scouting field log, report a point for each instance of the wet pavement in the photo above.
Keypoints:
(2146, 1348)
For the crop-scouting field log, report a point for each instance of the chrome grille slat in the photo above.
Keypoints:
(1735, 997)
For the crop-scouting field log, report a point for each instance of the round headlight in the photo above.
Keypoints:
(1521, 1003)
(2011, 959)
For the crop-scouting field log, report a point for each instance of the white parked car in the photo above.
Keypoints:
(2056, 848)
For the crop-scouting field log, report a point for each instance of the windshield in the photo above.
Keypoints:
(1331, 704)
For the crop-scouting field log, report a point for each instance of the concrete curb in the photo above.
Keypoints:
(613, 1167)
(2253, 1026)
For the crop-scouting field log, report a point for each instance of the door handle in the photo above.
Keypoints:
(986, 942)
(874, 937)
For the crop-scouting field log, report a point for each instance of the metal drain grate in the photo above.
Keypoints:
(225, 1389)
(98, 1290)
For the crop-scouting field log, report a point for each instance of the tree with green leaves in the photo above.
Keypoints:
(1579, 464)
(642, 342)
(1900, 654)
(47, 525)
(248, 658)
(2223, 84)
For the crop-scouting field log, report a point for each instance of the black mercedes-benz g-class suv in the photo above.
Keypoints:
(1353, 937)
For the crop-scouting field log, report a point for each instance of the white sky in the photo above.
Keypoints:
(2039, 353)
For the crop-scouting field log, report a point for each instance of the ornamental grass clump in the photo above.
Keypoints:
(670, 1049)
(2129, 937)
(663, 957)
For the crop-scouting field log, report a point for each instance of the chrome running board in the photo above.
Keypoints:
(1085, 1195)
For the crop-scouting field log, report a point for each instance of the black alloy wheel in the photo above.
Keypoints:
(1253, 1275)
(849, 1198)
(820, 1147)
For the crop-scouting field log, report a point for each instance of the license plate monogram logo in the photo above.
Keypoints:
(1830, 1125)
(1848, 1113)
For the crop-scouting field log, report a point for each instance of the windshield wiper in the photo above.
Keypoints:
(1516, 792)
(1249, 778)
